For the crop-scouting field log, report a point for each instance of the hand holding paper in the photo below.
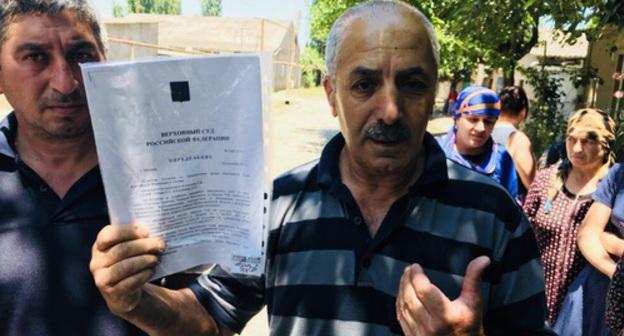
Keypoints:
(123, 259)
(181, 148)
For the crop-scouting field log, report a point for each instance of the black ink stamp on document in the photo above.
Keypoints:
(180, 91)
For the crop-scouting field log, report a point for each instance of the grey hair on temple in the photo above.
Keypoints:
(337, 31)
(11, 9)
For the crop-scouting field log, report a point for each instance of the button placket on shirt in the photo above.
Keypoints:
(362, 256)
(357, 220)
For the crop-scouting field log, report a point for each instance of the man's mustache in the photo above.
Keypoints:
(55, 98)
(388, 133)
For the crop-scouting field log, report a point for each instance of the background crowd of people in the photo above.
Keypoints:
(573, 202)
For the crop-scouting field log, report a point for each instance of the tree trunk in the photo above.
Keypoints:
(509, 76)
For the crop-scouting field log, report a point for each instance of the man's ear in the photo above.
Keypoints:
(330, 93)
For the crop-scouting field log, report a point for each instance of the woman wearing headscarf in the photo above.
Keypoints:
(600, 248)
(469, 142)
(556, 205)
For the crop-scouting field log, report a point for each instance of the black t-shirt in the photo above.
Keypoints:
(46, 287)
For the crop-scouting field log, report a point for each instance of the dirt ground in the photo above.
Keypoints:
(301, 124)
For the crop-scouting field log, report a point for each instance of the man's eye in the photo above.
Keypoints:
(364, 86)
(83, 57)
(36, 57)
(414, 85)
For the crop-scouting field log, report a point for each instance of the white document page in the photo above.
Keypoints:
(180, 146)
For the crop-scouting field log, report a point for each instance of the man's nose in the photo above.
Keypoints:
(389, 108)
(64, 77)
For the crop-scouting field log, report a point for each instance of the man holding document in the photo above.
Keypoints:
(52, 202)
(381, 236)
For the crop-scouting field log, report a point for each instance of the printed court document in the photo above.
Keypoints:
(180, 146)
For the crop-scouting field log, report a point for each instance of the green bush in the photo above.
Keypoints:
(546, 123)
(312, 67)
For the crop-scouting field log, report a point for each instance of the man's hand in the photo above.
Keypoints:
(422, 309)
(122, 260)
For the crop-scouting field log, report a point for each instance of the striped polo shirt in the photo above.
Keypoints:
(325, 274)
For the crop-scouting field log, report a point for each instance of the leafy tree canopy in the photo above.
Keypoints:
(493, 32)
(118, 10)
(312, 65)
(456, 56)
(211, 7)
(589, 17)
(154, 6)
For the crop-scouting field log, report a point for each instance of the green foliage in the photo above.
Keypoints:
(589, 17)
(118, 10)
(457, 57)
(323, 13)
(154, 6)
(496, 33)
(312, 67)
(546, 123)
(616, 113)
(584, 76)
(211, 7)
(503, 31)
(618, 146)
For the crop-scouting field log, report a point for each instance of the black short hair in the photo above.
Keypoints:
(10, 9)
(513, 100)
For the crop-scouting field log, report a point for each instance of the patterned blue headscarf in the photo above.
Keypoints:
(477, 100)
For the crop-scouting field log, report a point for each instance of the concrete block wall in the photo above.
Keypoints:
(146, 32)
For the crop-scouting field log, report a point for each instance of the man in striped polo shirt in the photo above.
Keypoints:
(381, 236)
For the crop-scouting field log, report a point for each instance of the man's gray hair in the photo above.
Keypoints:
(336, 34)
(11, 9)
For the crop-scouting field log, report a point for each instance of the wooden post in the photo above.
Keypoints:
(261, 34)
(291, 58)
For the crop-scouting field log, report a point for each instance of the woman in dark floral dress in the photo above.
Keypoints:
(556, 205)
